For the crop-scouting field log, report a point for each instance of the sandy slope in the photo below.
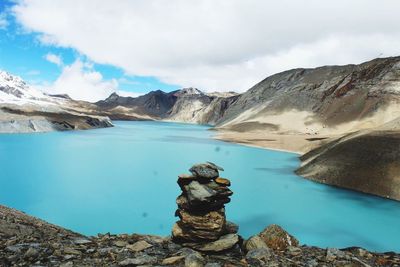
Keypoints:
(366, 161)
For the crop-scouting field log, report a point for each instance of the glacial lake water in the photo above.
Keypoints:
(123, 180)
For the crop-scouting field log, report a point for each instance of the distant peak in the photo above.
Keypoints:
(112, 97)
(10, 79)
(189, 91)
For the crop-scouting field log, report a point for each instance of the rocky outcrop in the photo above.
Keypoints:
(365, 161)
(201, 210)
(42, 121)
(201, 109)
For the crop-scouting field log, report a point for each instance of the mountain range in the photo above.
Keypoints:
(339, 117)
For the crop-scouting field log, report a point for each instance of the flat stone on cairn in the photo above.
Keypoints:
(201, 210)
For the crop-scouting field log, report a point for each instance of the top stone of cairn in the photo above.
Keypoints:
(206, 170)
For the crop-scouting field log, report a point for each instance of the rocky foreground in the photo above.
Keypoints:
(201, 238)
(27, 241)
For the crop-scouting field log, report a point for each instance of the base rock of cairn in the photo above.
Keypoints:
(201, 210)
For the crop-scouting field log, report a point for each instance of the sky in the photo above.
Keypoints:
(89, 49)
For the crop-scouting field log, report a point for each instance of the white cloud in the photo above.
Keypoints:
(54, 59)
(81, 82)
(217, 45)
(3, 21)
(127, 93)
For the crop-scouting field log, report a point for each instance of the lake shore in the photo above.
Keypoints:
(27, 241)
(293, 143)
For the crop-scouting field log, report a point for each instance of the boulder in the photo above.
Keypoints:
(254, 242)
(276, 238)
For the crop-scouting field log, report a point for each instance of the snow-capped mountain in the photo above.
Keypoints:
(14, 90)
(188, 91)
(26, 109)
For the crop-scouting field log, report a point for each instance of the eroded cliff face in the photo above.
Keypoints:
(328, 99)
(203, 109)
(365, 161)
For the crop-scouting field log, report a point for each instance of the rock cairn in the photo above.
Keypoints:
(201, 210)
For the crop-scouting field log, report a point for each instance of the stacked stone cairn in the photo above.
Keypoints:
(201, 210)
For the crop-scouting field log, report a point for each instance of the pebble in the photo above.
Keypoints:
(172, 260)
(194, 260)
(139, 246)
(141, 260)
(120, 243)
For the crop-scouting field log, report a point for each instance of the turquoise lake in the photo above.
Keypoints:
(123, 180)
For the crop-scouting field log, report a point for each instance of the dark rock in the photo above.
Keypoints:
(31, 253)
(82, 241)
(194, 260)
(212, 204)
(231, 228)
(205, 170)
(215, 166)
(258, 255)
(185, 179)
(140, 260)
(222, 191)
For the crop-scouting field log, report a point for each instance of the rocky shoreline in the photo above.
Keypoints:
(28, 241)
(201, 238)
